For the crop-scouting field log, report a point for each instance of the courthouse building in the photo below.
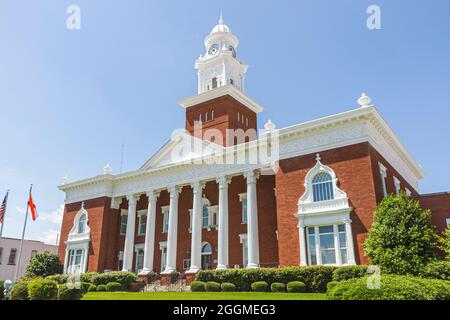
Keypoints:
(310, 202)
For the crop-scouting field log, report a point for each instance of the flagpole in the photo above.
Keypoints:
(23, 235)
(4, 213)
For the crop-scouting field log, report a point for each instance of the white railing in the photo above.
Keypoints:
(323, 206)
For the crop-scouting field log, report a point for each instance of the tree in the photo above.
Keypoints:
(401, 240)
(43, 265)
(445, 244)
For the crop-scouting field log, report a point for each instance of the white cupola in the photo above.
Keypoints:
(219, 65)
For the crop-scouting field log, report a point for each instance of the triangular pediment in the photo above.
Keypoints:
(181, 148)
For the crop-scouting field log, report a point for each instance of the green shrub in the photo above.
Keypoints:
(92, 288)
(44, 264)
(228, 287)
(122, 277)
(212, 286)
(60, 278)
(401, 239)
(330, 285)
(114, 287)
(101, 288)
(392, 287)
(278, 287)
(260, 286)
(296, 287)
(315, 277)
(43, 289)
(437, 270)
(198, 286)
(88, 276)
(2, 289)
(349, 272)
(69, 292)
(445, 244)
(19, 291)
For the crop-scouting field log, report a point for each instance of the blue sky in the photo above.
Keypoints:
(70, 99)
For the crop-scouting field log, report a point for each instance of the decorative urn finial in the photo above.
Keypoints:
(107, 169)
(270, 126)
(364, 100)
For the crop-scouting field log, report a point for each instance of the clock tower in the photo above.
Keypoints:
(221, 103)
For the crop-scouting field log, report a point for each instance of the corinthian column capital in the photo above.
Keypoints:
(197, 186)
(223, 181)
(152, 195)
(251, 176)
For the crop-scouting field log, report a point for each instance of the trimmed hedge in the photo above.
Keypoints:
(314, 277)
(72, 293)
(114, 287)
(60, 278)
(296, 287)
(349, 272)
(92, 288)
(19, 291)
(212, 286)
(2, 289)
(278, 287)
(122, 277)
(260, 286)
(43, 289)
(437, 270)
(392, 287)
(198, 286)
(228, 287)
(101, 288)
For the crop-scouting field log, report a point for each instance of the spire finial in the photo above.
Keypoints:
(318, 157)
(221, 18)
(82, 205)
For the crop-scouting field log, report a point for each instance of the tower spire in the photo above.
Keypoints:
(221, 18)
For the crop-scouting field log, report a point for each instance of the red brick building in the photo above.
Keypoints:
(220, 195)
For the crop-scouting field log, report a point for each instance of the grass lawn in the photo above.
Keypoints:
(202, 296)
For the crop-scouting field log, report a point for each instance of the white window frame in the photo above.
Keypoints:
(244, 242)
(337, 248)
(123, 221)
(139, 248)
(242, 198)
(213, 219)
(186, 264)
(448, 223)
(165, 212)
(408, 192)
(383, 175)
(141, 215)
(397, 185)
(162, 248)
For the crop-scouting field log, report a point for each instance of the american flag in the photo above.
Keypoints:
(3, 207)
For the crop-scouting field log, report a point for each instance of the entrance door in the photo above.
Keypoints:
(206, 256)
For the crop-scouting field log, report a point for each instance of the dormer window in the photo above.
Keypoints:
(82, 224)
(322, 187)
(214, 82)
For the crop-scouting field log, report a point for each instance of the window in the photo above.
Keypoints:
(165, 212)
(246, 122)
(327, 245)
(33, 253)
(206, 256)
(322, 187)
(163, 248)
(200, 118)
(123, 224)
(12, 257)
(383, 174)
(139, 260)
(82, 224)
(1, 255)
(244, 242)
(214, 82)
(74, 265)
(243, 198)
(142, 224)
(231, 81)
(448, 226)
(205, 217)
(212, 115)
(206, 117)
(239, 117)
(397, 185)
(186, 264)
(408, 192)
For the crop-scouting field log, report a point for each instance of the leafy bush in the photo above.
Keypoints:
(92, 288)
(198, 286)
(260, 286)
(212, 286)
(349, 272)
(278, 287)
(60, 278)
(296, 287)
(19, 291)
(437, 270)
(332, 284)
(2, 289)
(88, 276)
(101, 288)
(315, 277)
(445, 244)
(401, 240)
(392, 287)
(66, 292)
(122, 277)
(228, 287)
(114, 287)
(43, 289)
(43, 264)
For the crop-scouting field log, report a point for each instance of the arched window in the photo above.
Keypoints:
(205, 220)
(322, 187)
(207, 249)
(82, 224)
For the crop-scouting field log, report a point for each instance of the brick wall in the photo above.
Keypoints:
(439, 204)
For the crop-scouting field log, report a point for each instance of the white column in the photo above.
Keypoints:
(66, 260)
(196, 235)
(129, 236)
(171, 265)
(349, 237)
(252, 220)
(337, 249)
(302, 243)
(222, 262)
(149, 246)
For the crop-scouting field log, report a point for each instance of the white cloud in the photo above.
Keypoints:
(49, 237)
(54, 217)
(21, 209)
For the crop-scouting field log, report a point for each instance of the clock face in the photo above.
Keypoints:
(213, 50)
(233, 51)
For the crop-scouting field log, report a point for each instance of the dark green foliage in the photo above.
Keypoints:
(437, 270)
(114, 287)
(228, 287)
(19, 291)
(198, 286)
(60, 278)
(2, 289)
(330, 285)
(315, 277)
(349, 272)
(212, 286)
(445, 244)
(296, 287)
(260, 286)
(42, 289)
(278, 287)
(101, 288)
(401, 240)
(92, 288)
(124, 278)
(70, 292)
(44, 264)
(392, 287)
